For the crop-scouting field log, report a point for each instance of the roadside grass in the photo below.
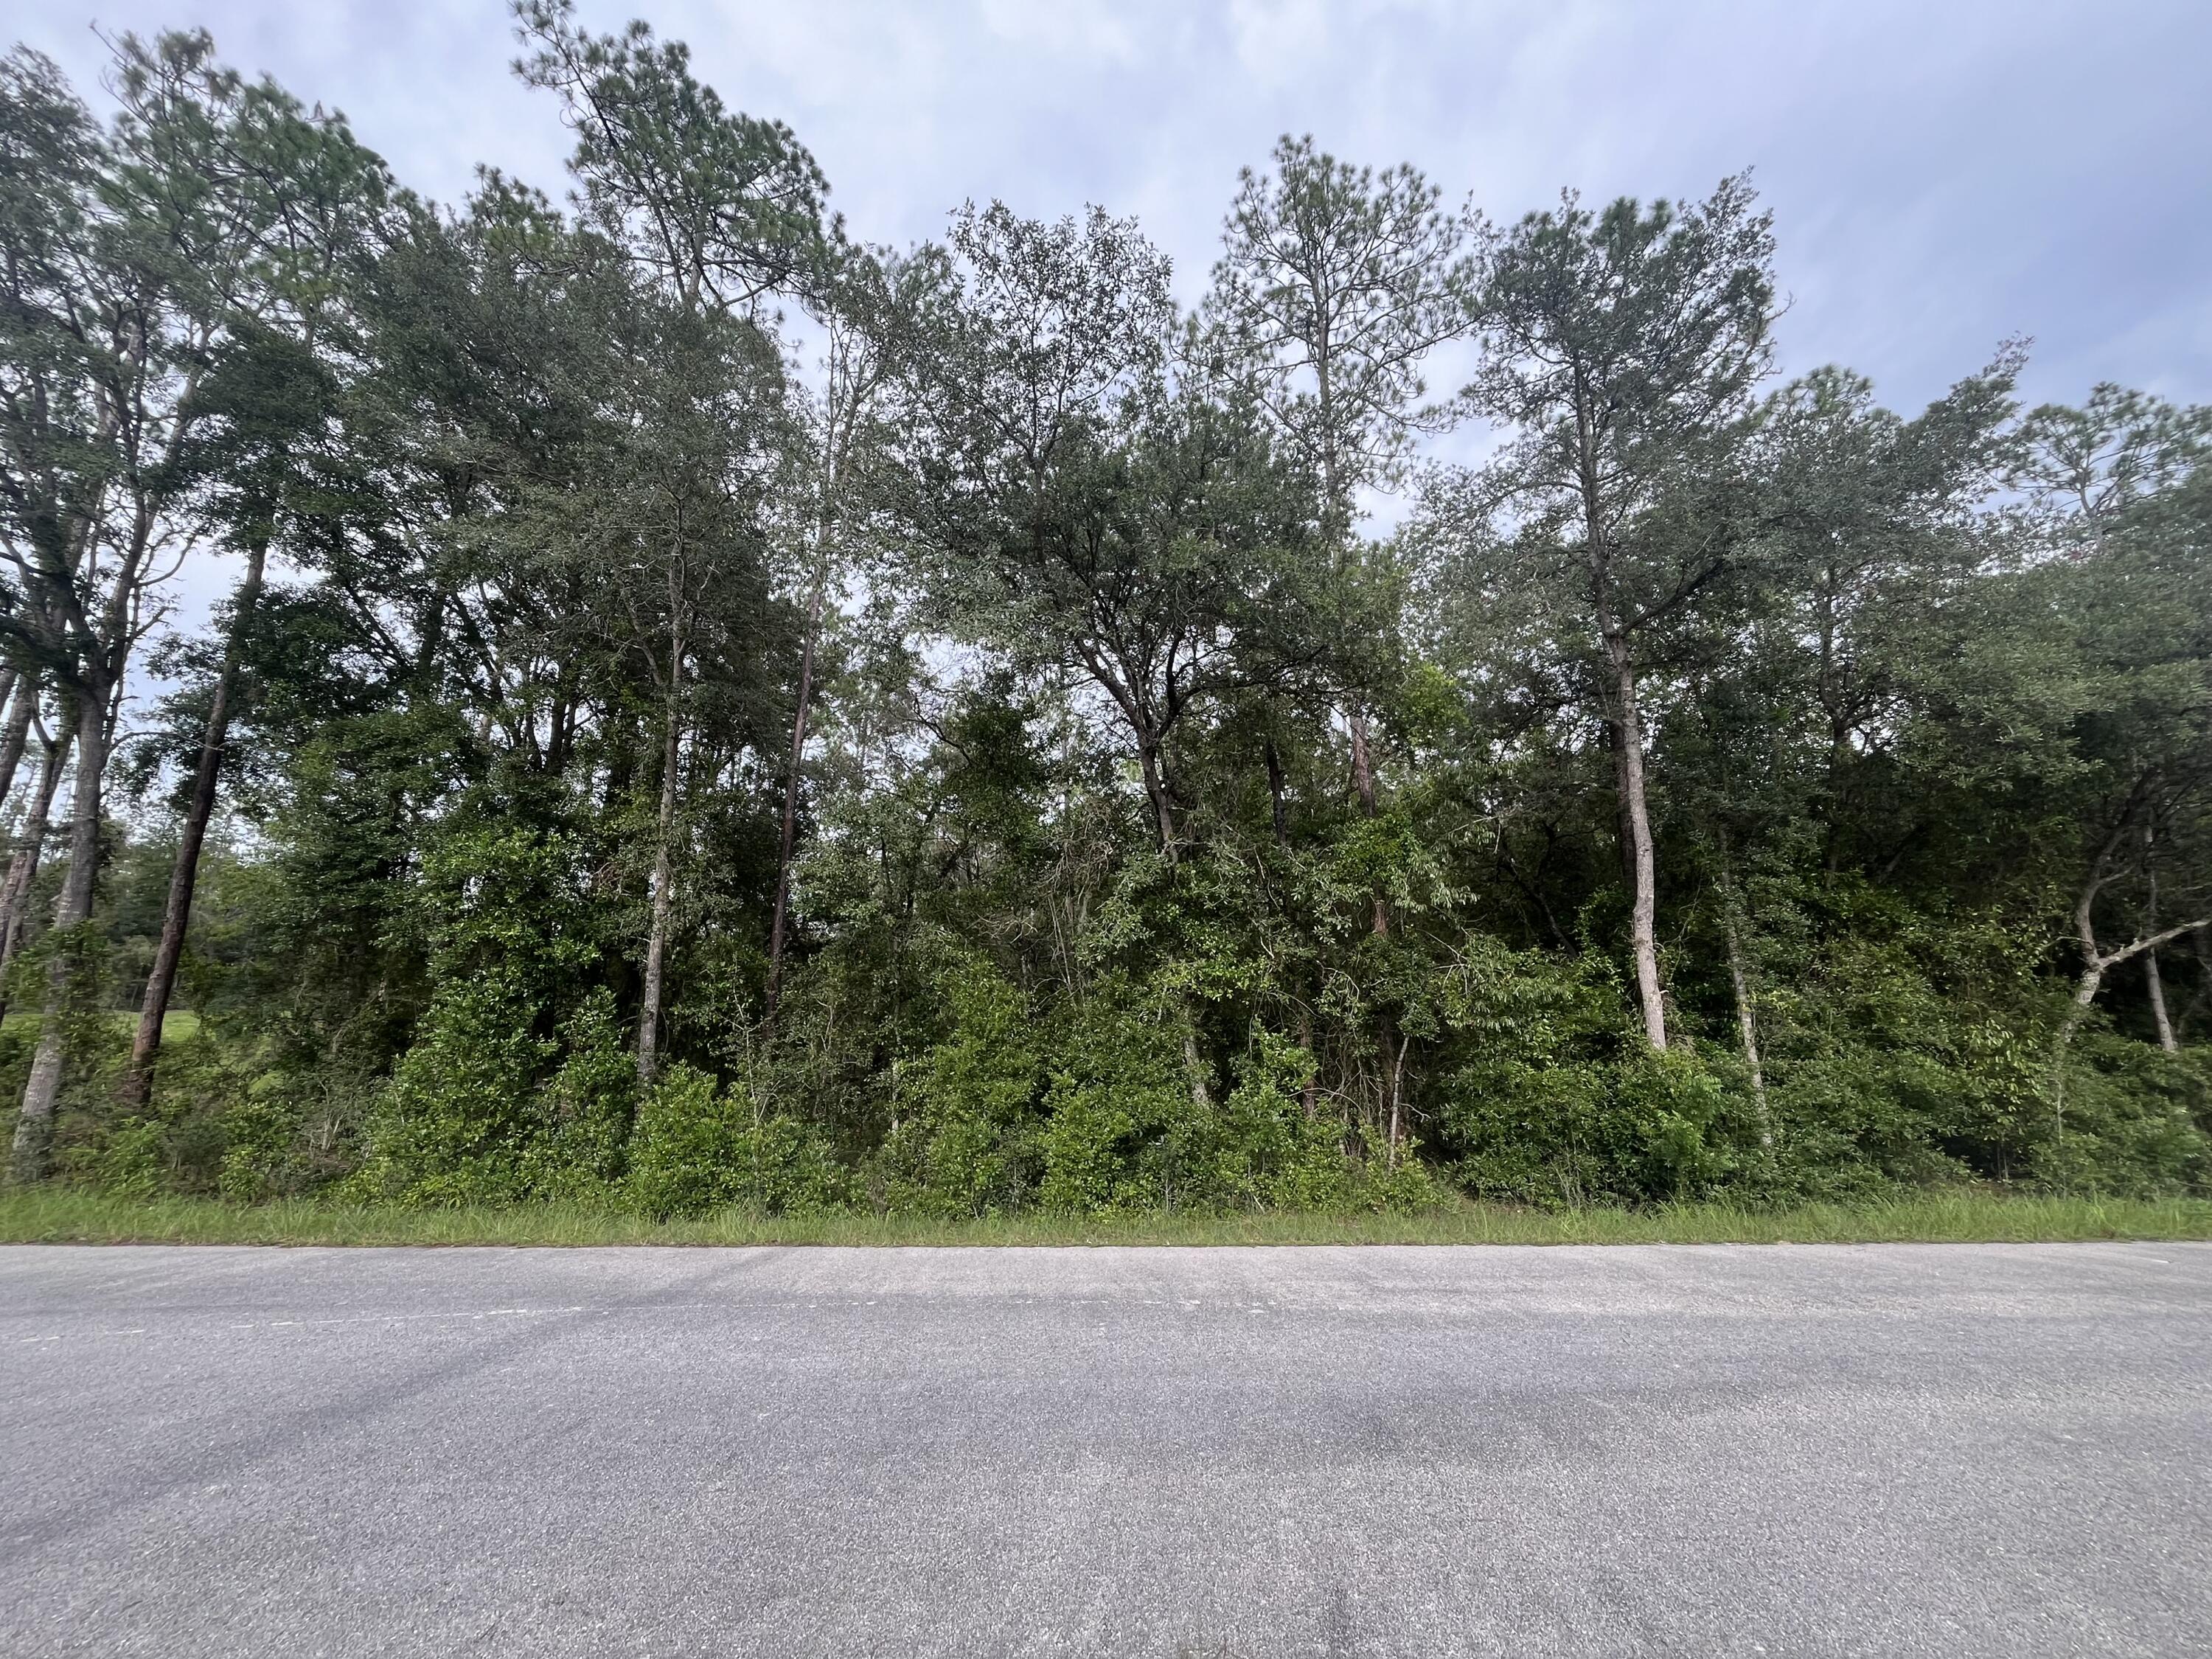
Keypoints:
(178, 1026)
(66, 1215)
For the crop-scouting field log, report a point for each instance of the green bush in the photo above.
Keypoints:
(1269, 1152)
(1635, 1129)
(2136, 1120)
(697, 1147)
(968, 1141)
(463, 1116)
(1124, 1131)
(580, 1152)
(459, 1122)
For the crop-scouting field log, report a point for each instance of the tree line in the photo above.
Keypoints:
(709, 710)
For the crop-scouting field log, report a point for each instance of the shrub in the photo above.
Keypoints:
(697, 1147)
(970, 1142)
(460, 1122)
(1268, 1152)
(1124, 1131)
(1630, 1130)
(581, 1150)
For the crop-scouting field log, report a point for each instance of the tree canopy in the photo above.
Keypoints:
(711, 711)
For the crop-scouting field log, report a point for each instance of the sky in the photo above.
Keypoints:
(1944, 174)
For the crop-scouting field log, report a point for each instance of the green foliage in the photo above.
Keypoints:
(1633, 1130)
(464, 1117)
(994, 775)
(2137, 1121)
(1271, 1151)
(261, 1150)
(968, 1142)
(700, 1147)
(1124, 1132)
(588, 1107)
(1911, 1048)
(1557, 1104)
(460, 1117)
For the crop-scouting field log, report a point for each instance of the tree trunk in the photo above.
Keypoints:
(1363, 765)
(1747, 1025)
(1308, 1091)
(1156, 790)
(1278, 813)
(23, 706)
(774, 991)
(2092, 975)
(2202, 946)
(1201, 1091)
(176, 916)
(656, 950)
(1156, 786)
(2156, 987)
(1624, 837)
(1393, 1043)
(1644, 912)
(34, 1126)
(23, 867)
(1628, 758)
(1396, 1074)
(1363, 782)
(2084, 994)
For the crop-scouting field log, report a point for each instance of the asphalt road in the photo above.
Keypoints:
(1887, 1450)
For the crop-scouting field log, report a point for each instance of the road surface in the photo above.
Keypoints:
(1885, 1450)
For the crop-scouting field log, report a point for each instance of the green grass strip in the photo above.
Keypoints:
(65, 1215)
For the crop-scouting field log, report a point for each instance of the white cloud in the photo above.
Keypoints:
(1085, 32)
(1277, 38)
(1943, 175)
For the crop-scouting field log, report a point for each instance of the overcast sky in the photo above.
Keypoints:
(1943, 173)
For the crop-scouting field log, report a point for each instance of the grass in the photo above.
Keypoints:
(178, 1026)
(67, 1215)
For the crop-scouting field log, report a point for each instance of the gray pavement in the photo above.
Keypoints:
(1882, 1450)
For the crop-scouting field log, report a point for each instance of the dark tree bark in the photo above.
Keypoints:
(1279, 813)
(176, 915)
(663, 877)
(773, 992)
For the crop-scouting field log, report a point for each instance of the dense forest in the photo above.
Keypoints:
(710, 711)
